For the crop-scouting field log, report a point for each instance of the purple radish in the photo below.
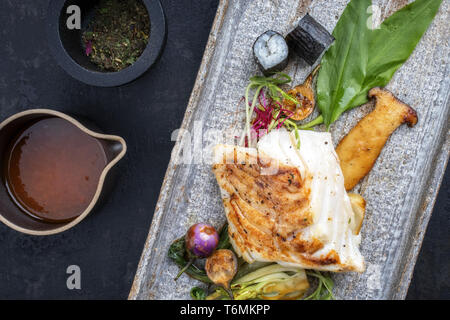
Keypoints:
(201, 241)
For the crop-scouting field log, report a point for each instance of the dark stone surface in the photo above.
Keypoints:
(107, 245)
(431, 279)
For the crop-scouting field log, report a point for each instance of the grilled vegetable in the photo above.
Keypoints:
(309, 39)
(304, 94)
(266, 280)
(221, 267)
(201, 241)
(360, 148)
(273, 282)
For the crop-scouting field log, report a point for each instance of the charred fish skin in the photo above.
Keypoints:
(296, 215)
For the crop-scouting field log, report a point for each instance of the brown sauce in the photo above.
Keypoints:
(52, 170)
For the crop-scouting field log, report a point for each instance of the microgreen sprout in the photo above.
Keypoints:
(266, 104)
(324, 290)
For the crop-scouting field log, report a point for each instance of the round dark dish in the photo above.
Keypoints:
(67, 47)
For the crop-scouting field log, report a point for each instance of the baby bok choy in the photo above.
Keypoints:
(272, 282)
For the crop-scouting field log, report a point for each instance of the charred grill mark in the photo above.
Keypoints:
(259, 184)
(265, 243)
(331, 258)
(308, 247)
(234, 215)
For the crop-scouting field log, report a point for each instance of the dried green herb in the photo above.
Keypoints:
(118, 34)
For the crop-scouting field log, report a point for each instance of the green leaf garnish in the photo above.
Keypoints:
(272, 84)
(198, 293)
(362, 58)
(273, 92)
(324, 290)
(177, 252)
(224, 240)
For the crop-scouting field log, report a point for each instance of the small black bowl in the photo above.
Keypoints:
(67, 47)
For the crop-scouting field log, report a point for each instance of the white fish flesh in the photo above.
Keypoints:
(289, 205)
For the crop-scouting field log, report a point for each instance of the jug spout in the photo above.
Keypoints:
(92, 158)
(115, 148)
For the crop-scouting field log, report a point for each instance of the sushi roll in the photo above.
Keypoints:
(309, 39)
(271, 52)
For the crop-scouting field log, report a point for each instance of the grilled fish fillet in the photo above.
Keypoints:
(289, 205)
